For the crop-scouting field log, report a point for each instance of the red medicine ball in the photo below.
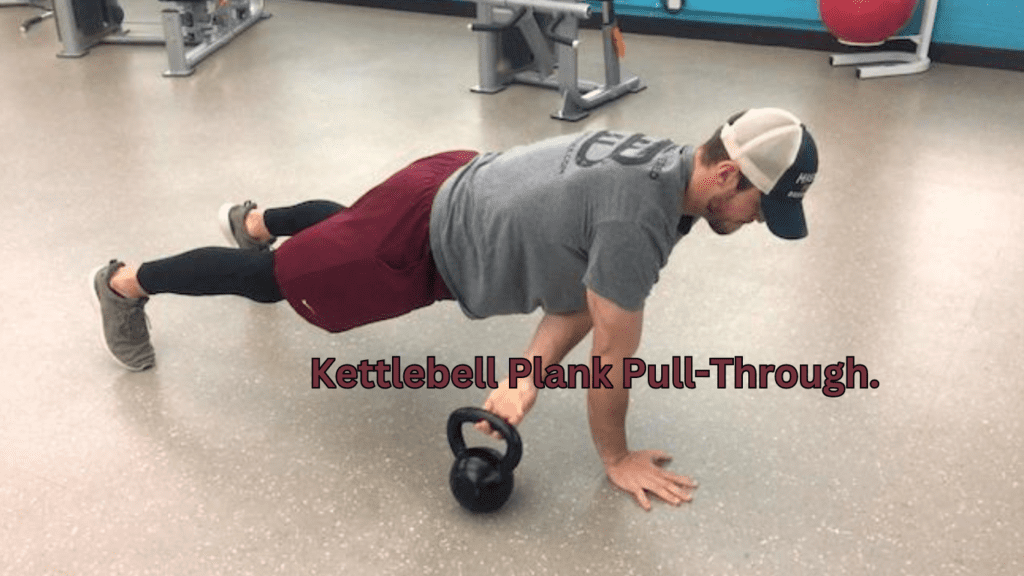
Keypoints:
(865, 22)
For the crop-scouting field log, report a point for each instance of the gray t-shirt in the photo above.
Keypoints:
(539, 224)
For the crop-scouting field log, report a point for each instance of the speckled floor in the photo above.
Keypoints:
(225, 460)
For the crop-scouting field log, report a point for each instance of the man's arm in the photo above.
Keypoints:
(617, 336)
(556, 335)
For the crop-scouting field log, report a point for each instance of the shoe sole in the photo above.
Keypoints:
(224, 219)
(97, 308)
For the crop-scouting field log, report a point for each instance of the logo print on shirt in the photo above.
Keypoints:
(629, 151)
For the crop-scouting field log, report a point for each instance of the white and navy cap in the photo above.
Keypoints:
(777, 154)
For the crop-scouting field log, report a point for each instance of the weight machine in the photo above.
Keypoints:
(191, 29)
(535, 42)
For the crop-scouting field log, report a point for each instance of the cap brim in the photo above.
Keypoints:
(785, 218)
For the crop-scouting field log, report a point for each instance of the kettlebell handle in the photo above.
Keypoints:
(514, 450)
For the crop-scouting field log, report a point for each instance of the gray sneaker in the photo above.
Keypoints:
(232, 224)
(125, 326)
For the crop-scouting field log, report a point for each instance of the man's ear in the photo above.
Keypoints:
(727, 174)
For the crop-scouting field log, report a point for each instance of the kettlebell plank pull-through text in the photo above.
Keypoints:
(679, 374)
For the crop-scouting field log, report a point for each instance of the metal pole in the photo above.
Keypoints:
(577, 9)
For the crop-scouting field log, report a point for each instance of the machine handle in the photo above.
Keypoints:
(580, 10)
(549, 33)
(499, 26)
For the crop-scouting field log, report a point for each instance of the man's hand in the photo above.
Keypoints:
(640, 472)
(617, 336)
(555, 337)
(511, 404)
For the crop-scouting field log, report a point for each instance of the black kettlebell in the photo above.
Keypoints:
(481, 479)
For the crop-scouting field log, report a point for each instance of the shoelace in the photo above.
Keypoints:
(135, 328)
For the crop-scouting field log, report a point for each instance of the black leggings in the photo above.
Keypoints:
(248, 273)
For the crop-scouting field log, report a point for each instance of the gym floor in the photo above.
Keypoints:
(224, 460)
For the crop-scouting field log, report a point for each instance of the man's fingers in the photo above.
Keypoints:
(680, 487)
(484, 427)
(683, 481)
(641, 498)
(660, 458)
(667, 494)
(671, 488)
(676, 494)
(686, 482)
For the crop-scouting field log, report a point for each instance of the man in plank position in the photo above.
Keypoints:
(579, 225)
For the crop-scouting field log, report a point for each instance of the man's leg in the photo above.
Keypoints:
(372, 261)
(121, 292)
(250, 228)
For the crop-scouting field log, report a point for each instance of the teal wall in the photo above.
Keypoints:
(981, 23)
(978, 23)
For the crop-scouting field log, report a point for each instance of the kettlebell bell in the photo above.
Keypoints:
(481, 478)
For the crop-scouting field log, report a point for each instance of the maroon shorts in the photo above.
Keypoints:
(371, 261)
